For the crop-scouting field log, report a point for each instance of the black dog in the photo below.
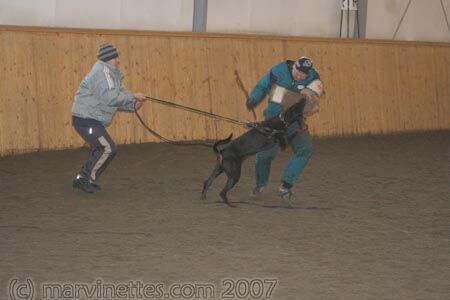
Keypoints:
(262, 136)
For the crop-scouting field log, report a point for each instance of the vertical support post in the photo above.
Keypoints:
(348, 18)
(200, 15)
(361, 20)
(359, 25)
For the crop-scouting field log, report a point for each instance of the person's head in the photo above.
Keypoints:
(301, 68)
(108, 54)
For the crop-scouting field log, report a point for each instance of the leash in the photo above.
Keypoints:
(266, 131)
(243, 89)
(187, 108)
(166, 140)
(195, 110)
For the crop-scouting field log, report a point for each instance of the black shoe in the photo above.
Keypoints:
(83, 184)
(285, 193)
(285, 190)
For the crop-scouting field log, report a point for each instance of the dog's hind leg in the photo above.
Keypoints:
(234, 174)
(207, 183)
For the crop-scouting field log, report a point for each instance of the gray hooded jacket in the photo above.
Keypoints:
(101, 94)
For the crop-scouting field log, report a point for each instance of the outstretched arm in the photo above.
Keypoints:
(261, 89)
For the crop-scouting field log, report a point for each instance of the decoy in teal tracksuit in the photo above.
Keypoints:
(293, 76)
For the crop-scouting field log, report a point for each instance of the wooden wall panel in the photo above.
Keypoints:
(223, 101)
(386, 88)
(371, 87)
(20, 127)
(156, 71)
(190, 75)
(441, 62)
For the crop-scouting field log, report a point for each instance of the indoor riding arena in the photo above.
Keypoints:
(370, 214)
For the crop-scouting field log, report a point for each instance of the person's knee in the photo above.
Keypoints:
(305, 150)
(308, 150)
(110, 149)
(113, 150)
(107, 145)
(265, 156)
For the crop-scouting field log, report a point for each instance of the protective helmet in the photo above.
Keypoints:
(304, 64)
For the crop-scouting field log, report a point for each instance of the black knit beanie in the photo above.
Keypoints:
(107, 52)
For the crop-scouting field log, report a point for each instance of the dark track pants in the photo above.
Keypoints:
(103, 150)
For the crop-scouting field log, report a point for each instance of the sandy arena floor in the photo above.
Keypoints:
(371, 220)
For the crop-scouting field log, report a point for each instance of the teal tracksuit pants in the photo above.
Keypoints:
(302, 149)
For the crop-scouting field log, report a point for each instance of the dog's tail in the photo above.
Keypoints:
(221, 142)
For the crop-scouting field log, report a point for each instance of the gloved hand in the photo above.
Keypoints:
(250, 103)
(251, 124)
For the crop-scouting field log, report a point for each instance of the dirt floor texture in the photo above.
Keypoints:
(370, 220)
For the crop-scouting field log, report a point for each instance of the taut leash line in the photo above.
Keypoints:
(187, 108)
(194, 110)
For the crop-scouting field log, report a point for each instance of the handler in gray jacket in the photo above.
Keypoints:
(99, 96)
